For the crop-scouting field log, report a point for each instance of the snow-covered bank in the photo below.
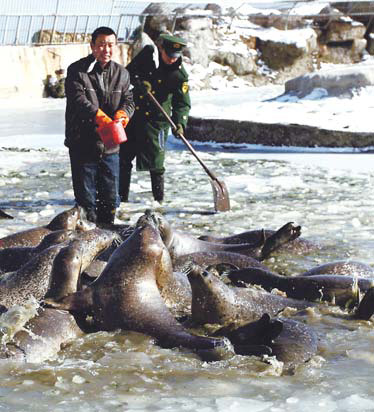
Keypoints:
(268, 104)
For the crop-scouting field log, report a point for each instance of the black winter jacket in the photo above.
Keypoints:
(85, 95)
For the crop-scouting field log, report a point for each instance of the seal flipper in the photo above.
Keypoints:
(365, 309)
(285, 234)
(76, 302)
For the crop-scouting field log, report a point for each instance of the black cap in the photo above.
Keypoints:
(173, 45)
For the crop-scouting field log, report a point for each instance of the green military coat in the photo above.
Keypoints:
(148, 128)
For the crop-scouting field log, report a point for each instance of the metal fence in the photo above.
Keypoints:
(65, 28)
(62, 29)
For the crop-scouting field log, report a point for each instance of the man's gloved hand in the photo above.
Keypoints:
(102, 118)
(178, 130)
(121, 116)
(143, 86)
(99, 149)
(147, 86)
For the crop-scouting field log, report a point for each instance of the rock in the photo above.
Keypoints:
(336, 82)
(343, 52)
(279, 21)
(242, 61)
(193, 24)
(277, 55)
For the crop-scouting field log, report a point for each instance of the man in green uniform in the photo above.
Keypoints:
(160, 71)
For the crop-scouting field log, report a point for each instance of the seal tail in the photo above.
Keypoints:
(365, 309)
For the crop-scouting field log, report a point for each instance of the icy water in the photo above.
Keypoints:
(329, 195)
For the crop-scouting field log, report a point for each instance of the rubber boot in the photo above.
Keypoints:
(105, 216)
(89, 214)
(157, 180)
(124, 185)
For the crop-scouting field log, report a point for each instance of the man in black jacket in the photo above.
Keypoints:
(161, 72)
(97, 93)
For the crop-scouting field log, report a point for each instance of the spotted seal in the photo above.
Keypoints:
(220, 258)
(342, 267)
(180, 243)
(291, 342)
(298, 245)
(126, 295)
(42, 337)
(68, 219)
(13, 258)
(215, 302)
(343, 291)
(33, 278)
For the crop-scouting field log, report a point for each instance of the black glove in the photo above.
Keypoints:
(99, 148)
(143, 86)
(178, 130)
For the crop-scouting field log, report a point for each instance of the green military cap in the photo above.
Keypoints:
(172, 45)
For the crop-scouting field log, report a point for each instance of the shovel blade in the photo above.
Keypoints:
(220, 196)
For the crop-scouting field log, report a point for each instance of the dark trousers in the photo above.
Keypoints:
(127, 155)
(95, 185)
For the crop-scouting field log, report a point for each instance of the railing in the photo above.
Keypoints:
(37, 29)
(62, 29)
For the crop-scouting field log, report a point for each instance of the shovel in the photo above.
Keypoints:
(220, 192)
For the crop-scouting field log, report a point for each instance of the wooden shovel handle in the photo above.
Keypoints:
(185, 141)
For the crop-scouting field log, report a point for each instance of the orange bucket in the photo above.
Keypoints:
(112, 134)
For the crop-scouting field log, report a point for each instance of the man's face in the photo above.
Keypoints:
(103, 48)
(166, 59)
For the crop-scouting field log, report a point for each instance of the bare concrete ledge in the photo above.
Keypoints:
(274, 134)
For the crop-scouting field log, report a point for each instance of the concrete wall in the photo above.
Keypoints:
(23, 68)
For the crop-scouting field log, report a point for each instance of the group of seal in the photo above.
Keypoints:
(151, 276)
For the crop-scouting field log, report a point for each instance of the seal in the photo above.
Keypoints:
(67, 220)
(33, 279)
(176, 290)
(42, 337)
(228, 260)
(76, 257)
(343, 267)
(299, 245)
(12, 258)
(215, 302)
(296, 344)
(290, 341)
(180, 243)
(343, 291)
(126, 295)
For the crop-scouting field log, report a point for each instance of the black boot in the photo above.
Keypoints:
(124, 185)
(89, 214)
(105, 216)
(157, 180)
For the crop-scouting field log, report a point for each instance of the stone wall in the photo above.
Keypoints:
(24, 69)
(274, 134)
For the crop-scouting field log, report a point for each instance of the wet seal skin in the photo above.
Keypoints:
(179, 243)
(343, 291)
(33, 279)
(126, 295)
(13, 258)
(42, 337)
(215, 302)
(68, 220)
(298, 245)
